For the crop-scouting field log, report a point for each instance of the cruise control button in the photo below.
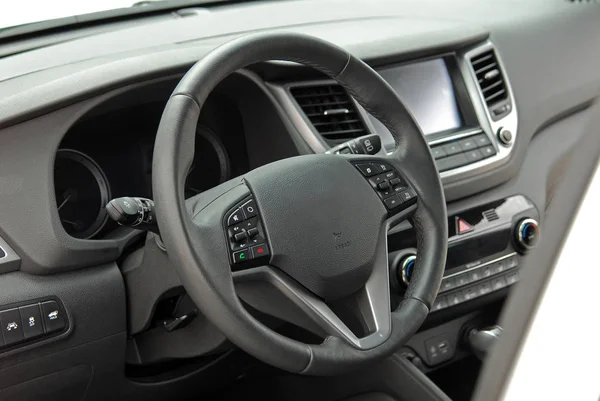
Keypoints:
(367, 169)
(392, 202)
(242, 256)
(488, 151)
(236, 217)
(53, 316)
(389, 175)
(385, 194)
(382, 167)
(407, 195)
(383, 185)
(31, 320)
(249, 209)
(12, 329)
(260, 251)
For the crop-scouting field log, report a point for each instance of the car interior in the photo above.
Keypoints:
(290, 200)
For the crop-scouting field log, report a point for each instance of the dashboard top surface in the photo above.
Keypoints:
(370, 30)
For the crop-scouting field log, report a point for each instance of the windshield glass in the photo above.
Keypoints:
(25, 12)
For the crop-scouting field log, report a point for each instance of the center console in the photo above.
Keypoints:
(462, 101)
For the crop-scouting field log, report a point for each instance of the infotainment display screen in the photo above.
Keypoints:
(426, 89)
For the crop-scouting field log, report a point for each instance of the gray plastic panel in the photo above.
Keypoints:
(9, 260)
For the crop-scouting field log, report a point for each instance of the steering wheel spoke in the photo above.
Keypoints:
(362, 319)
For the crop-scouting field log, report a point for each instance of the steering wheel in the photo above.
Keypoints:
(313, 228)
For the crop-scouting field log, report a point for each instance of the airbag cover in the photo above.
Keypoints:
(322, 219)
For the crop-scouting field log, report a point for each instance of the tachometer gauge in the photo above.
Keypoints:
(211, 164)
(82, 192)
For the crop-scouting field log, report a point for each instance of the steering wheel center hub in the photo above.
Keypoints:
(323, 221)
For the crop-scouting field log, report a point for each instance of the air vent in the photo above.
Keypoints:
(490, 215)
(490, 79)
(331, 111)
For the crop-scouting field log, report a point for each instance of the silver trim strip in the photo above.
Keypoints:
(480, 266)
(458, 135)
(4, 252)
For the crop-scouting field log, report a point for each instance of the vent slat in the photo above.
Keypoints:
(489, 77)
(330, 110)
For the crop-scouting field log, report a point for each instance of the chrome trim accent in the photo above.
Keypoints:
(405, 262)
(375, 296)
(520, 238)
(4, 252)
(481, 265)
(335, 111)
(458, 135)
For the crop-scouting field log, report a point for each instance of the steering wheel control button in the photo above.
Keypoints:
(53, 317)
(252, 232)
(12, 329)
(260, 251)
(236, 217)
(382, 186)
(367, 169)
(388, 185)
(241, 236)
(31, 320)
(249, 209)
(392, 202)
(242, 256)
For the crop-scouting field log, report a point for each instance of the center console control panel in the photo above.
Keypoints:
(485, 247)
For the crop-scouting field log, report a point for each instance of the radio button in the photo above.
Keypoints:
(470, 293)
(512, 278)
(485, 288)
(461, 280)
(487, 271)
(448, 284)
(499, 283)
(512, 262)
(456, 298)
(475, 275)
(440, 303)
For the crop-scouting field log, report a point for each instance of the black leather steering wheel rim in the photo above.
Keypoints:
(194, 241)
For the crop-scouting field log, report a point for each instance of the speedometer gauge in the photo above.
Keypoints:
(82, 191)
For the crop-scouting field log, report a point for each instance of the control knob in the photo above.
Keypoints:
(407, 265)
(527, 234)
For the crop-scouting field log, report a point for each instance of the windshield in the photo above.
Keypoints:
(25, 12)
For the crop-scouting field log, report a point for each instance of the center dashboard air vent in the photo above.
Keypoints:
(331, 111)
(491, 82)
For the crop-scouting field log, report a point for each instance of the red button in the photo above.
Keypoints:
(260, 251)
(462, 226)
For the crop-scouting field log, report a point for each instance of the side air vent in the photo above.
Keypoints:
(331, 111)
(490, 215)
(491, 82)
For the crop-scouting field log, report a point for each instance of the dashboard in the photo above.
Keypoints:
(508, 112)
